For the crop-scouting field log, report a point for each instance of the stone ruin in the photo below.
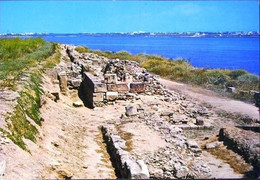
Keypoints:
(102, 81)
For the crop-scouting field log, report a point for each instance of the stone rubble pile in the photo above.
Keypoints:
(181, 158)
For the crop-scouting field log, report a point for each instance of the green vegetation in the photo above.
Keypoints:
(25, 58)
(81, 49)
(31, 52)
(181, 70)
(16, 47)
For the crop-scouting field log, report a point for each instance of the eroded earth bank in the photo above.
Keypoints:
(105, 118)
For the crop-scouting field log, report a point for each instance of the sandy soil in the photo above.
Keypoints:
(212, 98)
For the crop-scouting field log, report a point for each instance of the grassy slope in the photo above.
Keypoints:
(18, 57)
(181, 70)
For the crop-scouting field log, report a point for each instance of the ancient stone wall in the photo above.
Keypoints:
(245, 143)
(125, 165)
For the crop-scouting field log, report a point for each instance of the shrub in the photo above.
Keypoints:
(216, 76)
(248, 78)
(82, 49)
(198, 76)
(236, 73)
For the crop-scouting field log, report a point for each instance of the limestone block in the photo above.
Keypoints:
(77, 104)
(200, 121)
(98, 97)
(131, 110)
(111, 96)
(110, 78)
(137, 87)
(100, 87)
(128, 78)
(120, 87)
(76, 82)
(63, 81)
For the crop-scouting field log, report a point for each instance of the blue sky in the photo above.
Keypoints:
(128, 16)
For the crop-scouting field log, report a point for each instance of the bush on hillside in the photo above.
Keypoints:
(236, 73)
(82, 49)
(216, 76)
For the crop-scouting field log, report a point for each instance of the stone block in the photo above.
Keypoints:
(77, 104)
(128, 78)
(131, 110)
(98, 97)
(75, 82)
(56, 96)
(93, 84)
(111, 96)
(137, 87)
(231, 89)
(63, 81)
(100, 87)
(120, 87)
(110, 78)
(199, 121)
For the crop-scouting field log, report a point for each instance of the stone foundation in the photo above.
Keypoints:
(125, 165)
(246, 143)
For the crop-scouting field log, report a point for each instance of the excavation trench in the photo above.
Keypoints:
(125, 165)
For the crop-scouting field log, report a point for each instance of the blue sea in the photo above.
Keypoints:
(211, 52)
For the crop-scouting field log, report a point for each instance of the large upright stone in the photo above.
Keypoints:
(93, 83)
(137, 87)
(63, 82)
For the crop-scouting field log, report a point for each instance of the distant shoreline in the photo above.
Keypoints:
(250, 34)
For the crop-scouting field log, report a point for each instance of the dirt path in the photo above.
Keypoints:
(212, 98)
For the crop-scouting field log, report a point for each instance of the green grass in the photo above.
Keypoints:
(29, 55)
(15, 48)
(20, 57)
(181, 70)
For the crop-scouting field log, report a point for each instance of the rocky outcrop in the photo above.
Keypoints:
(125, 165)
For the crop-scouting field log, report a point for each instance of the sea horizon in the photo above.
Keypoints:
(210, 52)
